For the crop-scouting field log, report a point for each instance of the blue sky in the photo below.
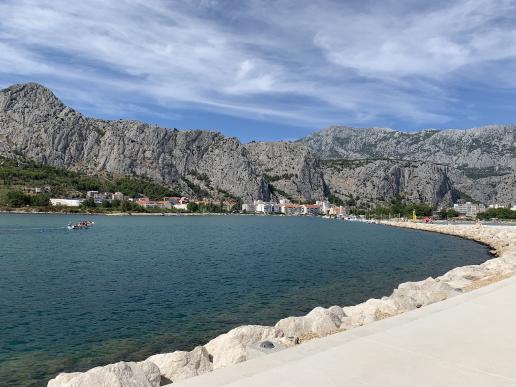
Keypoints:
(269, 70)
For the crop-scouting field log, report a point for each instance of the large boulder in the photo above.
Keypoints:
(466, 278)
(181, 365)
(412, 295)
(372, 310)
(121, 374)
(230, 348)
(319, 322)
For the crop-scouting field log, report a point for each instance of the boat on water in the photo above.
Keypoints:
(82, 225)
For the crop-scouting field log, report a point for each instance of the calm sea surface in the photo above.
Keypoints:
(134, 286)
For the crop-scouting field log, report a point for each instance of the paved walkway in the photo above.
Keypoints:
(468, 340)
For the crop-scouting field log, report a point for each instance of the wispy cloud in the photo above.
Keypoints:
(308, 64)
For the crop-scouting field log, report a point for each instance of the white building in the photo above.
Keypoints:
(324, 206)
(265, 207)
(66, 202)
(248, 207)
(118, 196)
(291, 209)
(311, 209)
(469, 209)
(337, 211)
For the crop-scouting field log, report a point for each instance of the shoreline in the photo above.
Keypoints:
(245, 342)
(18, 212)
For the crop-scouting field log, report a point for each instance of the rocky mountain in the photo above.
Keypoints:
(292, 169)
(36, 125)
(373, 165)
(479, 163)
(377, 181)
(478, 148)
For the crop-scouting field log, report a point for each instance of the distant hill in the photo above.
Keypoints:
(479, 163)
(489, 147)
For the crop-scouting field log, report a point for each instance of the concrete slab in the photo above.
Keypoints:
(468, 340)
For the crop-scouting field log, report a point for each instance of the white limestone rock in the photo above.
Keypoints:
(319, 322)
(463, 277)
(62, 379)
(181, 365)
(121, 374)
(230, 347)
(412, 295)
(372, 310)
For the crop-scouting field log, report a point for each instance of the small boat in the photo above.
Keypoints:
(83, 225)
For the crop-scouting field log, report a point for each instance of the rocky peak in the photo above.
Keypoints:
(29, 96)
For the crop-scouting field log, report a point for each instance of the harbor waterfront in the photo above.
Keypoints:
(132, 287)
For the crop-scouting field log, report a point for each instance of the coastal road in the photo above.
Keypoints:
(468, 340)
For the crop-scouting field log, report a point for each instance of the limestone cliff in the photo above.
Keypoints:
(481, 148)
(291, 169)
(369, 181)
(35, 124)
(481, 161)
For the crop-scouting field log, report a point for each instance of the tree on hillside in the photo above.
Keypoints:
(192, 207)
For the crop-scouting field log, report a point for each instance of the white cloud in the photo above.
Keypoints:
(305, 64)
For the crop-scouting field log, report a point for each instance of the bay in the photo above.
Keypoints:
(132, 286)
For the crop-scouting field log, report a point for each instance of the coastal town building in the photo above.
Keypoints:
(147, 203)
(469, 209)
(178, 202)
(311, 209)
(177, 199)
(248, 207)
(291, 209)
(99, 197)
(325, 206)
(265, 207)
(37, 190)
(168, 202)
(337, 211)
(73, 202)
(118, 196)
(286, 207)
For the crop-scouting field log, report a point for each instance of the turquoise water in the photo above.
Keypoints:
(133, 286)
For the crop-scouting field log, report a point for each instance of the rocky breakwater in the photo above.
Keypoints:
(248, 341)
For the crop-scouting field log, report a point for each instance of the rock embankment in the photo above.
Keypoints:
(245, 342)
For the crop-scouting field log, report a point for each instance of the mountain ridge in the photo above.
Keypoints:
(486, 146)
(34, 123)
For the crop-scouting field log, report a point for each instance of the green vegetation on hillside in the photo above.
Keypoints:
(449, 213)
(19, 177)
(19, 174)
(396, 208)
(497, 213)
(478, 173)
